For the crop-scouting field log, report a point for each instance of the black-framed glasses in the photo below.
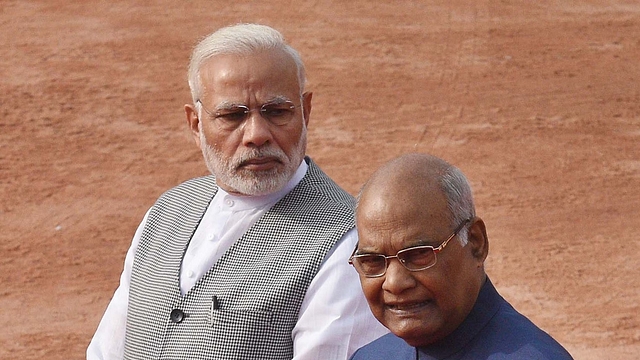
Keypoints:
(415, 258)
(279, 112)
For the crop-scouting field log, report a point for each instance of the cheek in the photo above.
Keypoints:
(222, 143)
(437, 283)
(289, 138)
(372, 289)
(449, 287)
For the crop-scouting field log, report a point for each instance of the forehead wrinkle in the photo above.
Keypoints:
(376, 236)
(391, 220)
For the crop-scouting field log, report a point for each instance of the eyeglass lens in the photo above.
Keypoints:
(278, 113)
(417, 258)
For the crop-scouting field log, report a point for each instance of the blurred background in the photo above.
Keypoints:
(537, 102)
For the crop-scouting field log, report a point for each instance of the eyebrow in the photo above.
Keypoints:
(363, 252)
(225, 105)
(425, 242)
(418, 242)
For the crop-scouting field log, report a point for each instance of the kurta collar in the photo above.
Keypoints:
(485, 308)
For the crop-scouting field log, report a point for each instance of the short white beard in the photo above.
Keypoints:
(249, 182)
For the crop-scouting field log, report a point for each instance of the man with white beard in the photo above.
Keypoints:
(250, 262)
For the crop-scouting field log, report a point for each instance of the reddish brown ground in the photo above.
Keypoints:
(538, 102)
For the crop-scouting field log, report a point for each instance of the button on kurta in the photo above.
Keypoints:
(177, 315)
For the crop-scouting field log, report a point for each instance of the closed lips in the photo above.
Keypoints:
(408, 306)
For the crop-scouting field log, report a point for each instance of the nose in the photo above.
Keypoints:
(397, 278)
(256, 130)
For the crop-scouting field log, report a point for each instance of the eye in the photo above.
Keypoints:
(277, 110)
(419, 256)
(235, 114)
(370, 263)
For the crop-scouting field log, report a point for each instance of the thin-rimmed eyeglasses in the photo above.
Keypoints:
(279, 113)
(414, 258)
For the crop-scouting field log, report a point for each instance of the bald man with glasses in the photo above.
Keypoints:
(420, 258)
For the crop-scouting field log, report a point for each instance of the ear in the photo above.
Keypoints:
(478, 240)
(193, 122)
(306, 101)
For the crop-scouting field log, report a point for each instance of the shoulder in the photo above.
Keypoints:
(318, 183)
(515, 333)
(384, 348)
(199, 185)
(194, 192)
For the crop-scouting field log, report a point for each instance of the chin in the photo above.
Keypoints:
(417, 335)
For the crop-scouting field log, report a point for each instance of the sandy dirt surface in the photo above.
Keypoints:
(538, 102)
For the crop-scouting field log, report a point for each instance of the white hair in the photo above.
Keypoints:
(240, 39)
(457, 190)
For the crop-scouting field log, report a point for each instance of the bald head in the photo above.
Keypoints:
(407, 174)
(421, 178)
(423, 165)
(414, 203)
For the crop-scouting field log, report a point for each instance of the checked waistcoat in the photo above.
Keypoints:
(247, 304)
